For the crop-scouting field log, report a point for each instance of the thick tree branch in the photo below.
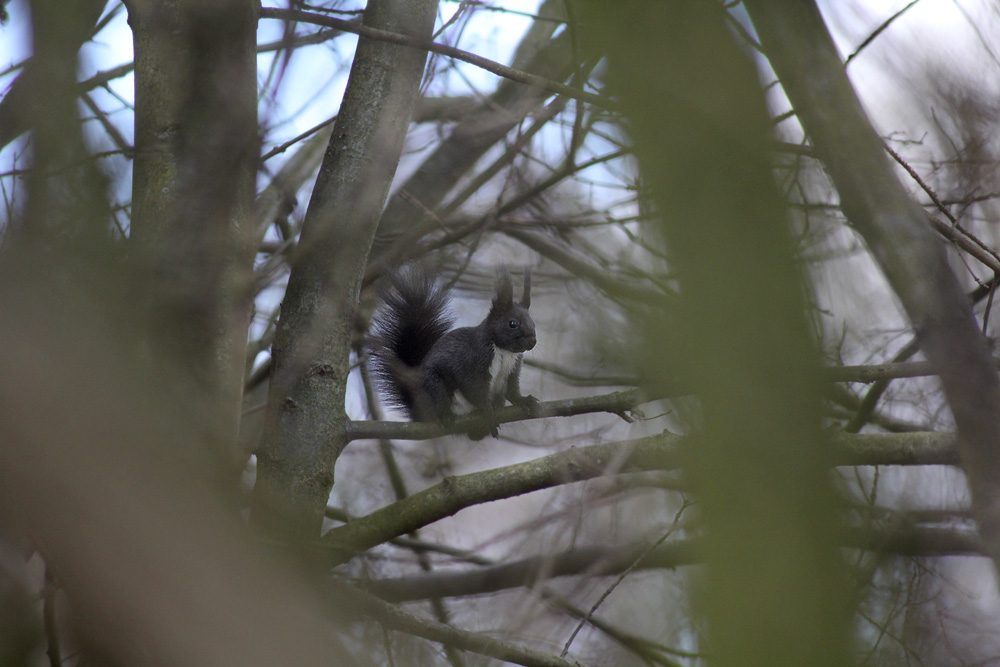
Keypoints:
(461, 491)
(192, 231)
(192, 193)
(25, 100)
(306, 421)
(889, 371)
(804, 57)
(456, 493)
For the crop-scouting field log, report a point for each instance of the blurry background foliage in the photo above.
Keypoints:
(763, 241)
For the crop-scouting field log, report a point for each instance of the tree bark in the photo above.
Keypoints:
(192, 230)
(306, 421)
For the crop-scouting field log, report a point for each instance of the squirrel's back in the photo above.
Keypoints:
(414, 315)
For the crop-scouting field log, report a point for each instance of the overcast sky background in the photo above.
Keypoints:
(313, 84)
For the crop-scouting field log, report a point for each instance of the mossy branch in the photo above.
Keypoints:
(660, 452)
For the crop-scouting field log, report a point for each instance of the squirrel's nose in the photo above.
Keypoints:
(528, 342)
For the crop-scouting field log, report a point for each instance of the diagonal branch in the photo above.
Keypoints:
(651, 453)
(914, 261)
(413, 211)
(394, 618)
(443, 49)
(461, 491)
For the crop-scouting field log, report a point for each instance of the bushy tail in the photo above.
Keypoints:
(414, 314)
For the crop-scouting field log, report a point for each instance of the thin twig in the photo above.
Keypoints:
(621, 577)
(49, 619)
(281, 148)
(394, 618)
(443, 49)
(878, 31)
(989, 304)
(992, 260)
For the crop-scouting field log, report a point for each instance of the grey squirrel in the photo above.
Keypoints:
(424, 366)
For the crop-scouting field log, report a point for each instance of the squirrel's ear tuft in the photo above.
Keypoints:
(505, 289)
(526, 295)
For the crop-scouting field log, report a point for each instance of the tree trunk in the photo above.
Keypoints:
(304, 431)
(193, 188)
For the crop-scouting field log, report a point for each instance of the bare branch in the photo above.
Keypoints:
(456, 493)
(442, 49)
(597, 561)
(618, 403)
(805, 58)
(396, 619)
(652, 453)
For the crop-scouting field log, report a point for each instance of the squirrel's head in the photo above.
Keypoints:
(511, 325)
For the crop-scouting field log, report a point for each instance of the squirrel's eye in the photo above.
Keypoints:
(512, 324)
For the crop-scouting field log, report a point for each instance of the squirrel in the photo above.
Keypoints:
(425, 367)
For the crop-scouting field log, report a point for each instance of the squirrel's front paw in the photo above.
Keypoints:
(478, 432)
(486, 427)
(529, 402)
